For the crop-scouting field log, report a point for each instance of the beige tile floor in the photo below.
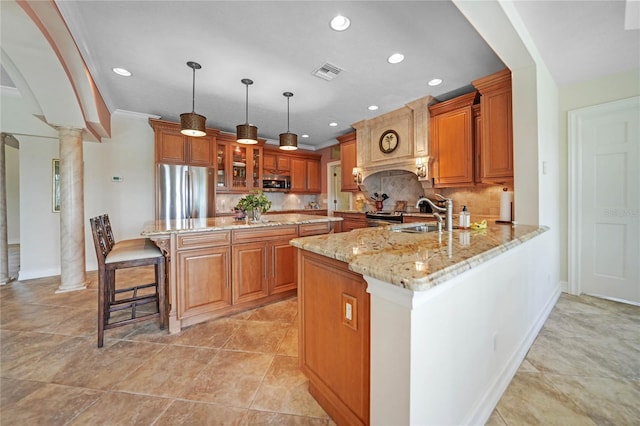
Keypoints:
(584, 367)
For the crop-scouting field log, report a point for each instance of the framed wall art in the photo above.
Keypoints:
(55, 187)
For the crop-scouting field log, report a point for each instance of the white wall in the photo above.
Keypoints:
(455, 348)
(129, 153)
(39, 225)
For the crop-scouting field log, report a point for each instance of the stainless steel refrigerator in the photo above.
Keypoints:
(184, 192)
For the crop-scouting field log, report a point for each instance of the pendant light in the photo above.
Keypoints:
(247, 133)
(288, 141)
(192, 124)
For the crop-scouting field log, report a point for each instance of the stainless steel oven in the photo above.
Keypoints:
(383, 218)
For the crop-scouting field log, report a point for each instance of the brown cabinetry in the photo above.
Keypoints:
(452, 141)
(302, 167)
(348, 161)
(415, 219)
(350, 221)
(276, 164)
(203, 268)
(305, 175)
(263, 262)
(239, 167)
(496, 120)
(334, 309)
(173, 147)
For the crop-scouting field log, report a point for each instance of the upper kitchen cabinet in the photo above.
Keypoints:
(276, 163)
(238, 166)
(452, 141)
(348, 160)
(496, 126)
(173, 147)
(305, 174)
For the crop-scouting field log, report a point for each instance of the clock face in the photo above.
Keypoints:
(389, 141)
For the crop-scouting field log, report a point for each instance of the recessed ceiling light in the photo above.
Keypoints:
(396, 58)
(333, 124)
(435, 82)
(121, 71)
(372, 107)
(340, 23)
(305, 136)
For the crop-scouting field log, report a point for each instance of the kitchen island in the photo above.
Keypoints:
(419, 327)
(220, 266)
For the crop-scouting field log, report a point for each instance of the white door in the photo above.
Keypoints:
(337, 200)
(606, 142)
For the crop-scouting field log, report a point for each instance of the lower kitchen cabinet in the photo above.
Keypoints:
(334, 309)
(204, 273)
(217, 273)
(249, 270)
(350, 221)
(282, 267)
(263, 262)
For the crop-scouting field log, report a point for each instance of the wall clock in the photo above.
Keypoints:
(389, 141)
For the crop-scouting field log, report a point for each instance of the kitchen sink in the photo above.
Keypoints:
(418, 229)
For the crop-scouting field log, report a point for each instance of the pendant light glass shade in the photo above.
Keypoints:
(192, 124)
(247, 133)
(288, 141)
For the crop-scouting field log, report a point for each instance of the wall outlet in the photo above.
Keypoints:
(350, 311)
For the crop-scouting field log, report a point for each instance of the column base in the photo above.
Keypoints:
(6, 280)
(71, 287)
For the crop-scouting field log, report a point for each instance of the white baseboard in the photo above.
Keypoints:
(37, 273)
(564, 286)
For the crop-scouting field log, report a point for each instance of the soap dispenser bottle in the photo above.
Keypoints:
(465, 218)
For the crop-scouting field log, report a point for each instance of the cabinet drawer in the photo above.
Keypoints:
(203, 239)
(263, 234)
(306, 229)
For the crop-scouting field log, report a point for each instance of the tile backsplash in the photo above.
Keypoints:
(279, 201)
(481, 200)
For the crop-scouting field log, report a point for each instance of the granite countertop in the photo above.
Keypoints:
(163, 227)
(417, 261)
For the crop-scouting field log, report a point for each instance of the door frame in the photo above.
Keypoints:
(330, 191)
(575, 119)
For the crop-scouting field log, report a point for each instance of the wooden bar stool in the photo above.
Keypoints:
(113, 256)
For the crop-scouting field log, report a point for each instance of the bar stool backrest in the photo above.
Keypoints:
(100, 240)
(106, 225)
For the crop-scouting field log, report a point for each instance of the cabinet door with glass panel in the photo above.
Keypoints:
(238, 167)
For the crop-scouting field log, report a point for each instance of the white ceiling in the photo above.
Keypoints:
(278, 44)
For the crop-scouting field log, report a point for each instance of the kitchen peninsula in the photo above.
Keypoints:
(219, 266)
(419, 327)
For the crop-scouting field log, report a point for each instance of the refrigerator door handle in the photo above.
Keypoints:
(191, 204)
(186, 206)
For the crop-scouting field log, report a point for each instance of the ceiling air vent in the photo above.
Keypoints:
(327, 72)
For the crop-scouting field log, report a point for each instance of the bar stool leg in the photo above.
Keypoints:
(162, 293)
(102, 303)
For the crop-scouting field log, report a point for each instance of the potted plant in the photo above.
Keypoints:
(257, 202)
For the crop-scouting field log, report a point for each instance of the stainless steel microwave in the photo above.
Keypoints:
(276, 183)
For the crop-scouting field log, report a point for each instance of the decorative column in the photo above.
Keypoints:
(4, 245)
(72, 252)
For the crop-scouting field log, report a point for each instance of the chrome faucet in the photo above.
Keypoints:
(447, 209)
